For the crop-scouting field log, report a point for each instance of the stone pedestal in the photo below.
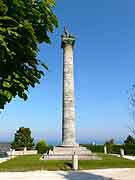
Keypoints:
(80, 150)
(66, 153)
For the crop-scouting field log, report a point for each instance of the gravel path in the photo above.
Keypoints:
(104, 174)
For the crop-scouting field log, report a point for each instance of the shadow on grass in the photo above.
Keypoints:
(83, 176)
(68, 164)
(66, 167)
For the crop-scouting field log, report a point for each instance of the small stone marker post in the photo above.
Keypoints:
(122, 152)
(25, 150)
(105, 150)
(75, 161)
(13, 152)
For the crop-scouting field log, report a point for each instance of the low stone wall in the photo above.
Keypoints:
(23, 152)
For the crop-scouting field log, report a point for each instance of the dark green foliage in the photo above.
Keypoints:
(23, 25)
(22, 139)
(49, 147)
(116, 149)
(41, 147)
(129, 149)
(130, 140)
(94, 148)
(109, 144)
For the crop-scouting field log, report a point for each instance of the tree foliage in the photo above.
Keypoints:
(41, 146)
(23, 139)
(109, 144)
(129, 140)
(23, 25)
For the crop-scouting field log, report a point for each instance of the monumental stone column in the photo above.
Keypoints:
(68, 121)
(69, 147)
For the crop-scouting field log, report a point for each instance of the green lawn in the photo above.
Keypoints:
(27, 163)
(107, 162)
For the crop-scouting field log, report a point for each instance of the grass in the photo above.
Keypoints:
(107, 161)
(30, 163)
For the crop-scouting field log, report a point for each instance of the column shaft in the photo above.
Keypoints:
(68, 129)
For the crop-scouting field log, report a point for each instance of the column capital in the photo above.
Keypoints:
(67, 38)
(70, 40)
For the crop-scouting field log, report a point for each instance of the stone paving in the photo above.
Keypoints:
(104, 174)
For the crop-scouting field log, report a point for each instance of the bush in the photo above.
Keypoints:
(109, 144)
(129, 149)
(42, 147)
(94, 148)
(116, 149)
(130, 140)
(48, 148)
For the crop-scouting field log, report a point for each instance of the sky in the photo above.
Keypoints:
(104, 70)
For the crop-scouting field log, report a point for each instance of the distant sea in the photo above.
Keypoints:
(98, 142)
(56, 142)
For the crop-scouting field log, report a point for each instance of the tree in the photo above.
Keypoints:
(41, 147)
(129, 140)
(109, 144)
(23, 139)
(23, 25)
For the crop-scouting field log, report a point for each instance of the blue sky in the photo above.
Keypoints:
(104, 62)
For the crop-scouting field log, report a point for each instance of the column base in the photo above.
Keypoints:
(71, 150)
(66, 153)
(69, 145)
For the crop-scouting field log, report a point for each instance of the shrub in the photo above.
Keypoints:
(129, 140)
(42, 147)
(116, 149)
(129, 149)
(109, 144)
(94, 148)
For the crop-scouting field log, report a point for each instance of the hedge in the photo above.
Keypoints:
(94, 148)
(128, 149)
(116, 149)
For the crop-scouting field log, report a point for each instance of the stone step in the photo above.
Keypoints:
(69, 157)
(70, 151)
